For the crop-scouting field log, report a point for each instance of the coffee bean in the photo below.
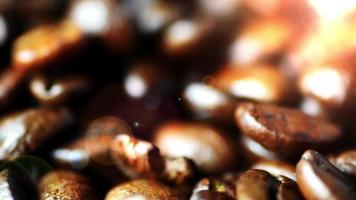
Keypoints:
(260, 40)
(210, 149)
(318, 179)
(276, 168)
(210, 195)
(45, 45)
(25, 131)
(258, 83)
(141, 189)
(58, 91)
(288, 189)
(65, 185)
(346, 162)
(284, 130)
(255, 184)
(207, 102)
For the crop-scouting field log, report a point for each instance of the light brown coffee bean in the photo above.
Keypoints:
(66, 185)
(210, 149)
(45, 45)
(284, 130)
(262, 83)
(318, 179)
(255, 184)
(141, 189)
(207, 102)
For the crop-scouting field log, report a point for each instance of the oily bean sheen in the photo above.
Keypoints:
(141, 189)
(25, 131)
(288, 189)
(65, 185)
(318, 179)
(255, 184)
(210, 195)
(284, 130)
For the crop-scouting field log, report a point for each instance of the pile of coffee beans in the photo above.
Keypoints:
(174, 100)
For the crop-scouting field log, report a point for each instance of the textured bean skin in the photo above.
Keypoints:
(65, 185)
(284, 130)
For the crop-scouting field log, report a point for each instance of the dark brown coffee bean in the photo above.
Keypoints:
(10, 80)
(45, 45)
(210, 149)
(288, 189)
(138, 158)
(215, 186)
(276, 168)
(259, 83)
(210, 195)
(25, 131)
(59, 91)
(207, 102)
(66, 185)
(284, 130)
(346, 162)
(260, 39)
(318, 179)
(141, 189)
(15, 186)
(255, 184)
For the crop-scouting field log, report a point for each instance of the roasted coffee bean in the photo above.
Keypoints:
(276, 168)
(210, 195)
(331, 84)
(186, 37)
(25, 131)
(346, 162)
(255, 184)
(141, 189)
(207, 102)
(104, 19)
(138, 158)
(260, 83)
(284, 130)
(65, 185)
(288, 189)
(45, 45)
(59, 91)
(10, 81)
(214, 186)
(259, 40)
(319, 179)
(210, 149)
(16, 186)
